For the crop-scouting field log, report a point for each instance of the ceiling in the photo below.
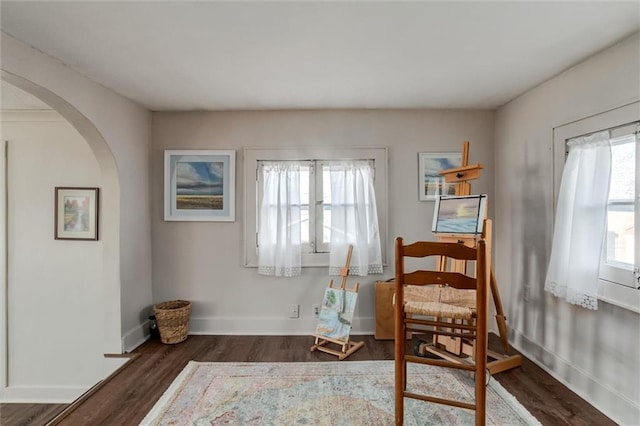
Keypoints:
(213, 55)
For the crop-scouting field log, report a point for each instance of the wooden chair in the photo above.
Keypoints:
(469, 322)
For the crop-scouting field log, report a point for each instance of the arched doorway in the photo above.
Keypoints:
(107, 322)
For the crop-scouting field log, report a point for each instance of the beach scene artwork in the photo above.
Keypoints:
(460, 215)
(336, 314)
(199, 185)
(432, 185)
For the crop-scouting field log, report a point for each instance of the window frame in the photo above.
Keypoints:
(252, 157)
(613, 288)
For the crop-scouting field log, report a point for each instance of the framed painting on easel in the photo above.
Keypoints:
(336, 313)
(336, 316)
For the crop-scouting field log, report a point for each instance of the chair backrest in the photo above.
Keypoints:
(457, 280)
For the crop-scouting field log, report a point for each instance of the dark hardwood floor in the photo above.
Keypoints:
(126, 398)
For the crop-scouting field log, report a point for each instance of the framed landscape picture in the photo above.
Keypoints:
(199, 185)
(431, 185)
(76, 213)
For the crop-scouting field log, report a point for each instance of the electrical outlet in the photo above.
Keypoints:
(316, 310)
(294, 311)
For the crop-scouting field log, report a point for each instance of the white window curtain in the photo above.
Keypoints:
(354, 219)
(580, 221)
(279, 242)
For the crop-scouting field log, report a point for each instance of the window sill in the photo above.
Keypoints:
(619, 295)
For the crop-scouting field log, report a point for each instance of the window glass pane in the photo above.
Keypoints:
(304, 204)
(620, 238)
(326, 185)
(621, 210)
(326, 204)
(326, 224)
(623, 170)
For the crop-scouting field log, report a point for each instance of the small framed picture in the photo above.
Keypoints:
(430, 184)
(199, 185)
(76, 213)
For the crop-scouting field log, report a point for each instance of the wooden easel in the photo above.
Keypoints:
(456, 346)
(347, 347)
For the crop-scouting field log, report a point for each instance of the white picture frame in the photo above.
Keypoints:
(430, 184)
(199, 185)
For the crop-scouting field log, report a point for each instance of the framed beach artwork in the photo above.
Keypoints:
(460, 215)
(431, 185)
(76, 213)
(199, 185)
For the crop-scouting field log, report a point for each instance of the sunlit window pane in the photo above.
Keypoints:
(623, 170)
(304, 224)
(620, 237)
(326, 185)
(326, 224)
(304, 204)
(621, 210)
(326, 205)
(304, 185)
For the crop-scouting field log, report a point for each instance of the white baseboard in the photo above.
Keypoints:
(57, 394)
(269, 326)
(41, 395)
(135, 337)
(611, 403)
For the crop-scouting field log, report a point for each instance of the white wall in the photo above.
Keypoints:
(202, 262)
(118, 132)
(595, 353)
(54, 300)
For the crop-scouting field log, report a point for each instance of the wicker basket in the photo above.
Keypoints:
(173, 320)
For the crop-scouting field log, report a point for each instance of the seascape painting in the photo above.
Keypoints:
(199, 185)
(460, 215)
(430, 183)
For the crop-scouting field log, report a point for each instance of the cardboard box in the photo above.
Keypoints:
(384, 291)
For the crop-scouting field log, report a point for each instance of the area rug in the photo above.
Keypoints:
(322, 393)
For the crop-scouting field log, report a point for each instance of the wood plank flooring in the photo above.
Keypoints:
(126, 398)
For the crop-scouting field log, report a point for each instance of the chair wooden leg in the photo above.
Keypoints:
(481, 394)
(400, 373)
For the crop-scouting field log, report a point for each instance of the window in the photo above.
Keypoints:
(620, 257)
(315, 203)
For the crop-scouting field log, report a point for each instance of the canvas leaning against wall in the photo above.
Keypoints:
(199, 185)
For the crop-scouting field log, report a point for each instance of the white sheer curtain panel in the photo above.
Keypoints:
(354, 219)
(580, 223)
(279, 246)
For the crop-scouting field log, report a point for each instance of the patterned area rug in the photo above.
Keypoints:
(322, 393)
